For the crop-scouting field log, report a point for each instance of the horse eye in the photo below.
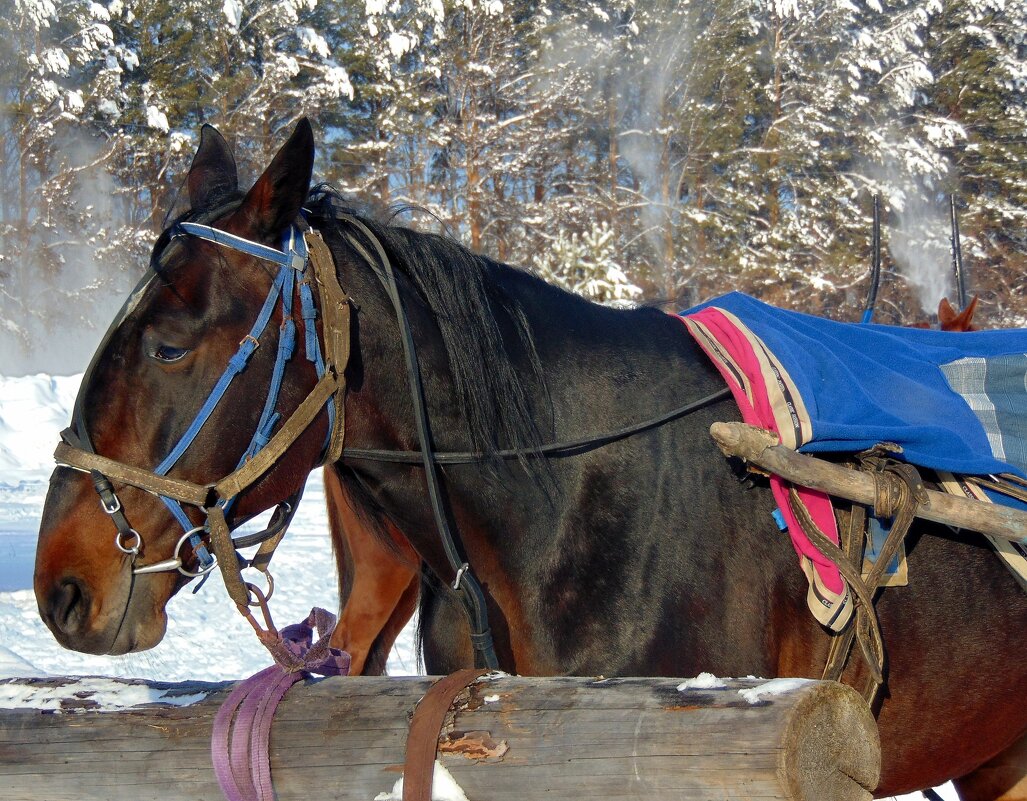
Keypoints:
(169, 354)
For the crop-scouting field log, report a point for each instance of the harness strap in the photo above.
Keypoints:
(298, 422)
(335, 309)
(464, 581)
(853, 545)
(247, 246)
(228, 560)
(204, 495)
(425, 729)
(898, 493)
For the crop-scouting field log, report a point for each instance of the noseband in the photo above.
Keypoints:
(76, 451)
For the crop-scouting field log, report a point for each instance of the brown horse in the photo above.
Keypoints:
(951, 320)
(633, 555)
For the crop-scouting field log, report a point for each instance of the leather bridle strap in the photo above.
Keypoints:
(67, 455)
(204, 496)
(335, 311)
(572, 447)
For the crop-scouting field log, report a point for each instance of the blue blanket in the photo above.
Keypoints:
(951, 401)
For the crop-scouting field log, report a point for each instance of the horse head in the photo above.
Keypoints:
(176, 391)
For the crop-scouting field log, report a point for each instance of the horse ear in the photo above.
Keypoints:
(213, 173)
(275, 200)
(968, 315)
(946, 314)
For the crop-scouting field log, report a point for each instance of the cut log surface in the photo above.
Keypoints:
(760, 447)
(505, 738)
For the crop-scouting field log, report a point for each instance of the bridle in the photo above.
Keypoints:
(299, 251)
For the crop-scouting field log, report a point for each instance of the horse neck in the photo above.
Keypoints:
(598, 370)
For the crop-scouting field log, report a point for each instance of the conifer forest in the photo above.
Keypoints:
(632, 150)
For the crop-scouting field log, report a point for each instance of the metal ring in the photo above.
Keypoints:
(255, 592)
(134, 550)
(181, 567)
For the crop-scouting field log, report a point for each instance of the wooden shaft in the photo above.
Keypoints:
(761, 448)
(509, 738)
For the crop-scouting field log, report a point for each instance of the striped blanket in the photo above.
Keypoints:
(953, 402)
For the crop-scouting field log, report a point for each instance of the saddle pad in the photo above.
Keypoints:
(954, 402)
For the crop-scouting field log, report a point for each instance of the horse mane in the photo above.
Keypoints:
(484, 330)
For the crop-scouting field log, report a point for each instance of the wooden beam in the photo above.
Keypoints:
(509, 739)
(760, 447)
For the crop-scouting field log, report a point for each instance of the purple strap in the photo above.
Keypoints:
(242, 727)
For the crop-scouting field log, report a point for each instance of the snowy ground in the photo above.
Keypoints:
(206, 639)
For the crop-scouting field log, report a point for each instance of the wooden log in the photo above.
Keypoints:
(506, 738)
(760, 447)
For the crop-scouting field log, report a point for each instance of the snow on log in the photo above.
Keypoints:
(505, 737)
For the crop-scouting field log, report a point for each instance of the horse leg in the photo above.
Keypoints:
(1003, 778)
(374, 664)
(443, 629)
(377, 583)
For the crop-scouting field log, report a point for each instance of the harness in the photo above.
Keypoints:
(77, 452)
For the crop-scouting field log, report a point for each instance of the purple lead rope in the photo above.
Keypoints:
(242, 727)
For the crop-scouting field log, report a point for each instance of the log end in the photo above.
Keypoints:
(742, 440)
(832, 748)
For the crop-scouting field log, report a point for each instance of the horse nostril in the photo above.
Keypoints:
(68, 606)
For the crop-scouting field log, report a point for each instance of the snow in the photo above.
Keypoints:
(444, 788)
(157, 119)
(704, 681)
(96, 694)
(754, 695)
(232, 9)
(30, 405)
(55, 61)
(313, 42)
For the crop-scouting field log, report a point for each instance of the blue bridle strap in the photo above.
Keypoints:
(291, 259)
(292, 255)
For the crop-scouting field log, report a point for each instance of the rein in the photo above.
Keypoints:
(77, 452)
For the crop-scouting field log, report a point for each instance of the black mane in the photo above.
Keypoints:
(484, 328)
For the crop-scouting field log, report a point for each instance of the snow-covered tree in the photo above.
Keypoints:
(587, 264)
(57, 62)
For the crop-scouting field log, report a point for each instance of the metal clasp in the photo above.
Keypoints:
(133, 550)
(111, 510)
(460, 574)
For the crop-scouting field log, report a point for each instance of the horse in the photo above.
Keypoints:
(595, 553)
